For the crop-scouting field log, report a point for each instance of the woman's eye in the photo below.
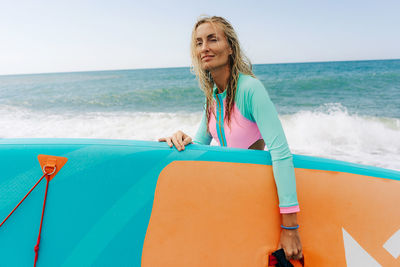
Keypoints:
(198, 44)
(213, 40)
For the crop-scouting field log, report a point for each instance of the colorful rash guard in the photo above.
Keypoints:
(253, 117)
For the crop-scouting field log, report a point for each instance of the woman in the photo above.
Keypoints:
(239, 113)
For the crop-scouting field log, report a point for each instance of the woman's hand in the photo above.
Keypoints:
(291, 244)
(178, 139)
(290, 239)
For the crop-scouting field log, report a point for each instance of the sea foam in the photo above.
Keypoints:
(328, 131)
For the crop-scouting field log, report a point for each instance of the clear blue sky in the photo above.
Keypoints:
(57, 36)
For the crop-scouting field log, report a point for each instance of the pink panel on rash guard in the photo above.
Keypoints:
(242, 132)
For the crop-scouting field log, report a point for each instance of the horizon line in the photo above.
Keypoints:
(177, 67)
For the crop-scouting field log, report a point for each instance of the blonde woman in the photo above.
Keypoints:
(239, 113)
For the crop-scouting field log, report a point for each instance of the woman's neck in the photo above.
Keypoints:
(221, 77)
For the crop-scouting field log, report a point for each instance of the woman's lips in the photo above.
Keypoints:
(207, 58)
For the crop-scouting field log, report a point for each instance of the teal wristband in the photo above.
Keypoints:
(290, 227)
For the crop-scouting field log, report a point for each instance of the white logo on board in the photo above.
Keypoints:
(357, 256)
(393, 245)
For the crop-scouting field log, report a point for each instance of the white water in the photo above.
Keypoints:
(328, 132)
(335, 134)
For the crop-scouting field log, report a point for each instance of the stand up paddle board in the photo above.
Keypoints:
(140, 203)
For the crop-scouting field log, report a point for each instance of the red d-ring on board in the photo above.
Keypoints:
(51, 165)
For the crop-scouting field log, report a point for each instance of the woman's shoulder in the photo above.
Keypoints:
(248, 84)
(250, 92)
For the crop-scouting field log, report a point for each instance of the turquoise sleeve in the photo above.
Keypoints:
(263, 112)
(203, 137)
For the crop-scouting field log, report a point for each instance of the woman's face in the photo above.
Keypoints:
(212, 48)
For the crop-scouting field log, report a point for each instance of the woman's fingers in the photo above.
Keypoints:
(165, 139)
(168, 140)
(178, 139)
(298, 256)
(176, 143)
(188, 140)
(291, 254)
(295, 254)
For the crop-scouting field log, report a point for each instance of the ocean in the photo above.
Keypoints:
(346, 111)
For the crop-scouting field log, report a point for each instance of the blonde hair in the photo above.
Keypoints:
(238, 62)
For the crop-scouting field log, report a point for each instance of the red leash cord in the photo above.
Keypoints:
(44, 206)
(41, 223)
(23, 199)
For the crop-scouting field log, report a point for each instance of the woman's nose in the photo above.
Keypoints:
(204, 47)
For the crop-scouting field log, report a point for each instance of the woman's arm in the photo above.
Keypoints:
(202, 136)
(266, 117)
